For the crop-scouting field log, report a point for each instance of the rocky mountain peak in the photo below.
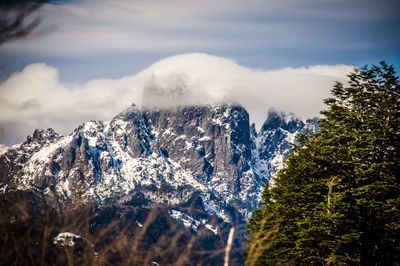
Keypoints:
(165, 154)
(275, 140)
(42, 136)
(282, 120)
(202, 167)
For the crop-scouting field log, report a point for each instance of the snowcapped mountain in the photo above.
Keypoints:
(206, 157)
(275, 139)
(165, 155)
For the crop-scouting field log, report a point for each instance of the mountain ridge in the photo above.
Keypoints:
(201, 168)
(217, 139)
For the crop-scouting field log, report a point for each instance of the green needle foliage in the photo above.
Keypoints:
(337, 202)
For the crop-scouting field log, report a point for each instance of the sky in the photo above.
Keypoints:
(90, 59)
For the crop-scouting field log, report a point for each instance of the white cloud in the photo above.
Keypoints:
(35, 97)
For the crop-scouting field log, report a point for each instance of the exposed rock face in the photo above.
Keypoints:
(165, 154)
(212, 143)
(276, 137)
(14, 158)
(205, 164)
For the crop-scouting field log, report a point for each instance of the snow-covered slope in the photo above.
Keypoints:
(3, 149)
(274, 141)
(162, 155)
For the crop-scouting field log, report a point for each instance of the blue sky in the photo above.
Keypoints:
(90, 59)
(109, 39)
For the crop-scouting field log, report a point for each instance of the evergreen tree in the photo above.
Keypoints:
(337, 202)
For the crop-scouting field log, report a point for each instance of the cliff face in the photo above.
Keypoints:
(206, 165)
(165, 154)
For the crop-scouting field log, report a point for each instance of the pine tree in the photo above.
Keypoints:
(337, 202)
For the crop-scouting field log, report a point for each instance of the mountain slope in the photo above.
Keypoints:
(205, 166)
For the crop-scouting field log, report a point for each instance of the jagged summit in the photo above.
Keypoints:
(202, 168)
(164, 154)
(42, 136)
(276, 119)
(276, 137)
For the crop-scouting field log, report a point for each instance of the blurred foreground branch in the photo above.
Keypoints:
(16, 18)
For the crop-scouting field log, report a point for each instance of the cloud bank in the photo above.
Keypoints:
(88, 39)
(98, 26)
(36, 98)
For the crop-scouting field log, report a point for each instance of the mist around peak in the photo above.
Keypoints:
(36, 98)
